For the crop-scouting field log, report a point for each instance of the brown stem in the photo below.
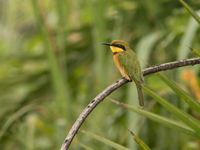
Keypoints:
(101, 96)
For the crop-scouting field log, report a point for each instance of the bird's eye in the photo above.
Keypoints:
(121, 46)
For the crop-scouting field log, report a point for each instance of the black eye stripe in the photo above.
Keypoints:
(119, 45)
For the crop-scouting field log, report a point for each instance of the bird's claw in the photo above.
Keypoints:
(129, 80)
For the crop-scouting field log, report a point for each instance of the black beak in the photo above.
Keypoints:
(108, 44)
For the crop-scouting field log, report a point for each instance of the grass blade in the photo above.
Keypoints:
(85, 146)
(195, 51)
(105, 141)
(194, 104)
(160, 119)
(187, 38)
(99, 34)
(58, 79)
(191, 11)
(181, 115)
(139, 141)
(14, 118)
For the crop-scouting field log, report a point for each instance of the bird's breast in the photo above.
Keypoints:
(119, 66)
(116, 60)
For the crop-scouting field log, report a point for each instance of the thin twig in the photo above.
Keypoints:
(100, 97)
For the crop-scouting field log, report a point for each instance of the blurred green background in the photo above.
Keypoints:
(52, 64)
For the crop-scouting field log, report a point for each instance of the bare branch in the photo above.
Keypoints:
(100, 97)
(171, 65)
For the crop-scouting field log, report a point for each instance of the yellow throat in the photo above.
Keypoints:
(116, 49)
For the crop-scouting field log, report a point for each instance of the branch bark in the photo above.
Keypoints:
(101, 96)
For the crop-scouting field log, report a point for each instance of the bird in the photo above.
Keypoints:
(128, 65)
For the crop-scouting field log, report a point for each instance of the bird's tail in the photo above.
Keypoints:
(140, 94)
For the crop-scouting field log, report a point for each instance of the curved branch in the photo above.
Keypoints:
(100, 97)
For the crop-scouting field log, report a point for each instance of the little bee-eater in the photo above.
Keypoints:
(127, 63)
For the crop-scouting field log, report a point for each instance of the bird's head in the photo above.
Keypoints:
(117, 46)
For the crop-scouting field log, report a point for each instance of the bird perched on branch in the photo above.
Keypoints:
(127, 63)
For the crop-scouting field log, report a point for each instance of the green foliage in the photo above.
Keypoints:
(139, 142)
(160, 119)
(183, 116)
(52, 64)
(16, 116)
(194, 104)
(105, 141)
(85, 146)
(195, 51)
(191, 11)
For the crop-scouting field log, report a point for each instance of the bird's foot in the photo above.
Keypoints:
(129, 80)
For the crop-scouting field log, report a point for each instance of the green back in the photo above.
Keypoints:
(128, 60)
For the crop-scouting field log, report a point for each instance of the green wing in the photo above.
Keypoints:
(128, 60)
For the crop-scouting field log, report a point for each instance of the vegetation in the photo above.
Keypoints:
(53, 64)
